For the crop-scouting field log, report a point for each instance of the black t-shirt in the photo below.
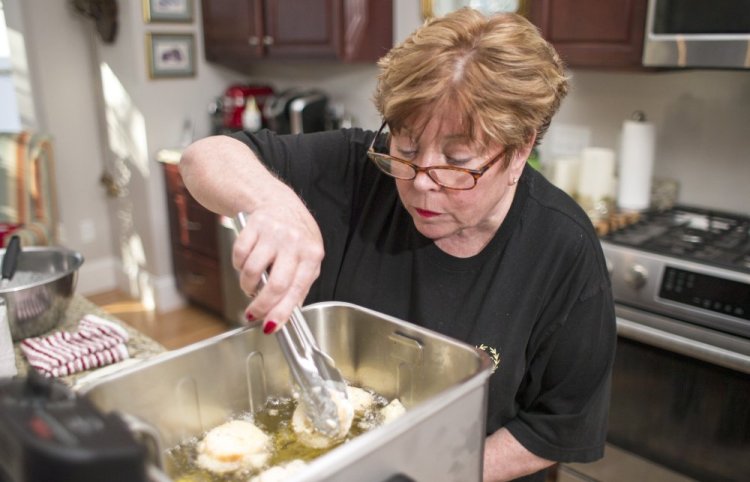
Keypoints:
(537, 298)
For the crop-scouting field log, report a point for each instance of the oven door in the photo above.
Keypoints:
(680, 396)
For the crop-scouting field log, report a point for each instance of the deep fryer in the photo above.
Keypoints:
(442, 383)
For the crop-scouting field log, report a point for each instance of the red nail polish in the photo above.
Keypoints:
(249, 316)
(269, 327)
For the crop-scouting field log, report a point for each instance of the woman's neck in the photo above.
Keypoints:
(471, 241)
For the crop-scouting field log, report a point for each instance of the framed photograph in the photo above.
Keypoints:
(170, 55)
(168, 11)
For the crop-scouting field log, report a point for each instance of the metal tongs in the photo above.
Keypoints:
(313, 370)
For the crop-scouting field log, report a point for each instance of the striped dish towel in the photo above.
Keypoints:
(96, 343)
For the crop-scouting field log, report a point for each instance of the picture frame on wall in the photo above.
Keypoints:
(170, 55)
(178, 11)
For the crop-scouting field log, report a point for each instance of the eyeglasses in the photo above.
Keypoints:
(450, 177)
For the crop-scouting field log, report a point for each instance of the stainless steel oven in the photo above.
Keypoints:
(681, 380)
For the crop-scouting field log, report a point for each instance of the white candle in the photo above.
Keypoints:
(565, 174)
(596, 177)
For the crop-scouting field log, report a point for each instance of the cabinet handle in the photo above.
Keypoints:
(267, 40)
(193, 226)
(253, 41)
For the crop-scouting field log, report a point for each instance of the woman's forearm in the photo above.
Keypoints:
(226, 177)
(506, 459)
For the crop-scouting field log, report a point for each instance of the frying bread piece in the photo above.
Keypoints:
(280, 473)
(392, 411)
(306, 432)
(361, 400)
(235, 445)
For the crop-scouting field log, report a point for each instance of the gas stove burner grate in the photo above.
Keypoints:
(695, 234)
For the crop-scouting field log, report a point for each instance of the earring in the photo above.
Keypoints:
(513, 181)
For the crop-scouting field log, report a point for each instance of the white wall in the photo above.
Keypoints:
(701, 117)
(64, 58)
(53, 73)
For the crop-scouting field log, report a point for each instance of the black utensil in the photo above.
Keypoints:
(10, 260)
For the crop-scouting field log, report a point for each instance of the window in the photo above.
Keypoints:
(10, 120)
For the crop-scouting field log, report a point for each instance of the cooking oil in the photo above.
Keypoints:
(275, 419)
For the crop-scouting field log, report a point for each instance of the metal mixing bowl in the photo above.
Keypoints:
(41, 289)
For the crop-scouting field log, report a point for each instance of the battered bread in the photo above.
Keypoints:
(310, 437)
(392, 411)
(238, 444)
(361, 400)
(280, 473)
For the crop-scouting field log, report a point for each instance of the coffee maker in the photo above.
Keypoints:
(295, 111)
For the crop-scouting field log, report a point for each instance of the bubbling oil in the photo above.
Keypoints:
(275, 419)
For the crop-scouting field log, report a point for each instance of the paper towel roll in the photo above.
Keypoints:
(596, 176)
(636, 165)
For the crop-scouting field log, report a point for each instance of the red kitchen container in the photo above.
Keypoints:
(235, 99)
(6, 229)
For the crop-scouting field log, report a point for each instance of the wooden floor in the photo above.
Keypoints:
(173, 329)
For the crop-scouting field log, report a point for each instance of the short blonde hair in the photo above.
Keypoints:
(496, 72)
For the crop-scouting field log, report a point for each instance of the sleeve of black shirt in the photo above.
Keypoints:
(567, 421)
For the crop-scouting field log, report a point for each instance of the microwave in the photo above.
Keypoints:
(697, 34)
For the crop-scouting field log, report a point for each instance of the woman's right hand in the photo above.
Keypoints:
(282, 238)
(280, 235)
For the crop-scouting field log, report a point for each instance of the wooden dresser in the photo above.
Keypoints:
(195, 247)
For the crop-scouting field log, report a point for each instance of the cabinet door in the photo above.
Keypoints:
(232, 29)
(594, 33)
(308, 29)
(198, 278)
(238, 31)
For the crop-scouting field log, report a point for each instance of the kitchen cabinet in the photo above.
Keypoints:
(240, 31)
(193, 232)
(604, 34)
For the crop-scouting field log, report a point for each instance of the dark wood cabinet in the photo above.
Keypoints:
(240, 31)
(193, 233)
(593, 33)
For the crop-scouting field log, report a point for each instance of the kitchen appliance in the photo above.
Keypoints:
(295, 111)
(41, 289)
(47, 432)
(307, 113)
(235, 99)
(690, 33)
(442, 383)
(681, 379)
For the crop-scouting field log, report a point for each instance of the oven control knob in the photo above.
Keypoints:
(636, 276)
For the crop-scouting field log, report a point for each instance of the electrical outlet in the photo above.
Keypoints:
(88, 230)
(61, 234)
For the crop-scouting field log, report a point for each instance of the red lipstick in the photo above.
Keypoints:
(426, 214)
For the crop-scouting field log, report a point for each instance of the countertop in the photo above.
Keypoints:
(139, 345)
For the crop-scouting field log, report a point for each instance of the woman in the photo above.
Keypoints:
(466, 240)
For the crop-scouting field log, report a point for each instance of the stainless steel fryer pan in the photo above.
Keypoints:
(442, 383)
